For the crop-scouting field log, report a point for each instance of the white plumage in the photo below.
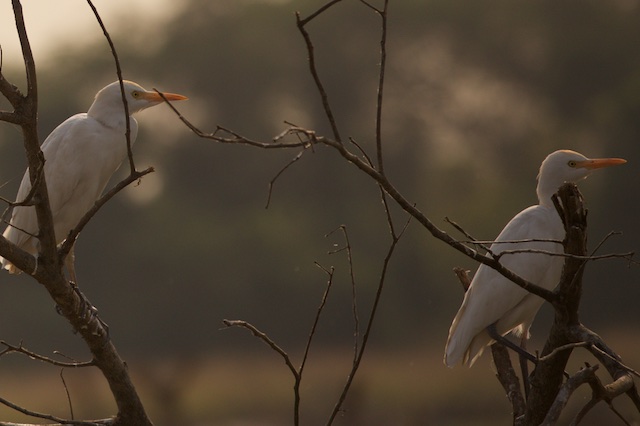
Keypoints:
(80, 155)
(492, 298)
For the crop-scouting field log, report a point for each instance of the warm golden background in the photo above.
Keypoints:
(477, 94)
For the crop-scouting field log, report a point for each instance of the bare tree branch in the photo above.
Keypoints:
(583, 376)
(227, 136)
(282, 170)
(383, 61)
(67, 244)
(66, 390)
(48, 268)
(132, 166)
(509, 380)
(56, 419)
(26, 106)
(297, 373)
(313, 69)
(627, 256)
(266, 339)
(312, 333)
(483, 244)
(367, 333)
(354, 305)
(21, 349)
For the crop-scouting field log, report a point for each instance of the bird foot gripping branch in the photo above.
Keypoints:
(89, 313)
(85, 314)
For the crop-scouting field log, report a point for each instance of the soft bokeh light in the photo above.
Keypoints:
(72, 25)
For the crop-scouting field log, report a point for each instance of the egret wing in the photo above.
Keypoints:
(491, 295)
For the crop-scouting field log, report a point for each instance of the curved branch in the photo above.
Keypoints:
(127, 117)
(586, 375)
(383, 61)
(367, 332)
(264, 338)
(27, 107)
(66, 246)
(310, 137)
(59, 420)
(313, 69)
(21, 349)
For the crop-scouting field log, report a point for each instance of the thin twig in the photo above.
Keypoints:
(319, 12)
(383, 62)
(354, 298)
(604, 240)
(28, 199)
(132, 166)
(367, 333)
(472, 240)
(266, 339)
(66, 390)
(593, 348)
(66, 246)
(627, 255)
(134, 175)
(238, 139)
(56, 419)
(312, 332)
(556, 351)
(280, 172)
(21, 349)
(313, 69)
(482, 243)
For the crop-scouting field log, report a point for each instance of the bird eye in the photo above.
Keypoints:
(572, 163)
(135, 94)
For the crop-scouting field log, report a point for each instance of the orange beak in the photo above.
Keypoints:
(598, 163)
(155, 97)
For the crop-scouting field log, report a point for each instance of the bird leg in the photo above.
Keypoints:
(35, 268)
(521, 350)
(89, 312)
(524, 367)
(70, 264)
(493, 333)
(86, 310)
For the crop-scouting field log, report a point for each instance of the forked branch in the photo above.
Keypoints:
(48, 271)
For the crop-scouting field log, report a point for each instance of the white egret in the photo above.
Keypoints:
(493, 300)
(80, 155)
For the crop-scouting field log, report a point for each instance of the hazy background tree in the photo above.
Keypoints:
(477, 94)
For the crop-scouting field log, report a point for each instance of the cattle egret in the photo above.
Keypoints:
(494, 301)
(80, 155)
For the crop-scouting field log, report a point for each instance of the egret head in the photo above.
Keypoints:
(567, 166)
(108, 101)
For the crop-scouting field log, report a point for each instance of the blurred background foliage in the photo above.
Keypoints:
(476, 95)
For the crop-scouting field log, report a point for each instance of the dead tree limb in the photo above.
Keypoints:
(48, 269)
(549, 394)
